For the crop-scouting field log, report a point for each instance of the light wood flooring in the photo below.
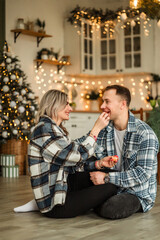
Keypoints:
(32, 226)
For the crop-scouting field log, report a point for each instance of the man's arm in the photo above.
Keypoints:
(146, 164)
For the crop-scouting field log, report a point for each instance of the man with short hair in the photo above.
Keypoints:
(136, 145)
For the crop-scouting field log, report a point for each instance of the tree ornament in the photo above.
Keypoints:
(15, 131)
(13, 77)
(8, 54)
(20, 80)
(8, 60)
(123, 16)
(32, 108)
(3, 64)
(1, 107)
(133, 23)
(21, 109)
(25, 125)
(5, 79)
(5, 117)
(5, 88)
(30, 96)
(143, 15)
(1, 121)
(9, 68)
(5, 134)
(18, 66)
(16, 122)
(23, 91)
(5, 47)
(12, 104)
(15, 93)
(20, 98)
(24, 102)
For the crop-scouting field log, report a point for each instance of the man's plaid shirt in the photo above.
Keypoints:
(138, 173)
(51, 155)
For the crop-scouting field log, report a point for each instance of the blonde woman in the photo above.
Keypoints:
(54, 161)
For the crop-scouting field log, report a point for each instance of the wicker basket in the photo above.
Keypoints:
(19, 149)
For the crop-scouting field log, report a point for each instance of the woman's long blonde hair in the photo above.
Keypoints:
(52, 102)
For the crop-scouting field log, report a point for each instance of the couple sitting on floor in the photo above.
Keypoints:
(69, 178)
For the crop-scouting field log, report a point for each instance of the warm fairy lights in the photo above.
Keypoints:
(140, 11)
(77, 88)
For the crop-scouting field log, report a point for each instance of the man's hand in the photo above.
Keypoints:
(97, 177)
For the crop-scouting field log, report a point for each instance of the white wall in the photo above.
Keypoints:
(26, 47)
(54, 12)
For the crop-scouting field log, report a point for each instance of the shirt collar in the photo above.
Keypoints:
(47, 119)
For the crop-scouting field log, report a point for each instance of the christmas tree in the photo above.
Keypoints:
(18, 104)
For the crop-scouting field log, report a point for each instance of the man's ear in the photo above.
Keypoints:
(123, 104)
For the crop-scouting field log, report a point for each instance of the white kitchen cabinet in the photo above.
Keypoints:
(80, 123)
(128, 50)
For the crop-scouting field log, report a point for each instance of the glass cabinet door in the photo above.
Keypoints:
(132, 47)
(107, 50)
(87, 48)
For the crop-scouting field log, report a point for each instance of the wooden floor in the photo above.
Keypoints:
(32, 226)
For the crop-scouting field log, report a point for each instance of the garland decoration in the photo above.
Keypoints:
(146, 9)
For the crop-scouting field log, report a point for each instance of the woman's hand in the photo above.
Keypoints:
(101, 122)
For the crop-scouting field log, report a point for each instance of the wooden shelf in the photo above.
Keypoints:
(59, 64)
(106, 76)
(38, 35)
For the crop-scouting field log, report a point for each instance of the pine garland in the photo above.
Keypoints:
(149, 7)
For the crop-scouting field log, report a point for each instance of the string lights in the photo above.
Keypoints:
(140, 11)
(77, 87)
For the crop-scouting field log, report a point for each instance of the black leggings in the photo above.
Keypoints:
(82, 196)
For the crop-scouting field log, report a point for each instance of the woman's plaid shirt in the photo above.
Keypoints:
(138, 173)
(50, 156)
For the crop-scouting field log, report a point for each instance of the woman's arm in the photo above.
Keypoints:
(55, 148)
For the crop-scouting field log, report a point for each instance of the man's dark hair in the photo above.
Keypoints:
(122, 91)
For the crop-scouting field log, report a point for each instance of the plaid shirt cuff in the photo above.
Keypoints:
(113, 178)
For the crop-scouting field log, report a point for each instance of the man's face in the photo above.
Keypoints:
(112, 104)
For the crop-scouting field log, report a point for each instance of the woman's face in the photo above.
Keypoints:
(64, 114)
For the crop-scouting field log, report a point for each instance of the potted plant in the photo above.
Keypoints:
(41, 25)
(92, 98)
(73, 105)
(93, 95)
(43, 53)
(154, 122)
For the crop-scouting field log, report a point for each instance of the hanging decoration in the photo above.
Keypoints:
(144, 10)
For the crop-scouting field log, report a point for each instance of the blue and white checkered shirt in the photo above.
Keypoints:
(138, 173)
(51, 156)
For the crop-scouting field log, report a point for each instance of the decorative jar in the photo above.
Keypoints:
(20, 23)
